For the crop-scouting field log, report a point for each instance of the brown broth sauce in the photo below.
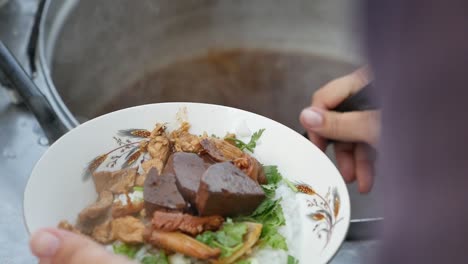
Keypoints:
(271, 83)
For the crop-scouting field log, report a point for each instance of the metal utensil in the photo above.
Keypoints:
(17, 77)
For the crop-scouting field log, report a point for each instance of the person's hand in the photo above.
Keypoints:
(354, 131)
(55, 246)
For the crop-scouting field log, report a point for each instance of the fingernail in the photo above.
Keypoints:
(44, 244)
(312, 118)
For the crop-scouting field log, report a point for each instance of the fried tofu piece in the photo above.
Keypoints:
(65, 225)
(128, 229)
(184, 141)
(97, 209)
(131, 208)
(102, 233)
(120, 181)
(159, 148)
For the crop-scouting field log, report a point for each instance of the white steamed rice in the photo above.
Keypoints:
(291, 231)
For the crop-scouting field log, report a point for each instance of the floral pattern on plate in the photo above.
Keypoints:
(324, 210)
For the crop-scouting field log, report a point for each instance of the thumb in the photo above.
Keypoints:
(55, 246)
(357, 126)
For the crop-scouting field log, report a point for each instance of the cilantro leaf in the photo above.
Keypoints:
(292, 260)
(269, 190)
(255, 137)
(125, 249)
(272, 174)
(269, 212)
(273, 178)
(252, 143)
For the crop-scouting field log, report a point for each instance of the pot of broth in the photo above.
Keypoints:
(264, 56)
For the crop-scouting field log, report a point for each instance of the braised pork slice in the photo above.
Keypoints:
(251, 167)
(188, 169)
(160, 192)
(225, 190)
(120, 181)
(220, 150)
(128, 229)
(186, 223)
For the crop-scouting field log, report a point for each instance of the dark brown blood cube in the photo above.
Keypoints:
(188, 169)
(227, 191)
(160, 193)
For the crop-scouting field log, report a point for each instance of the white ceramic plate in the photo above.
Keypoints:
(56, 189)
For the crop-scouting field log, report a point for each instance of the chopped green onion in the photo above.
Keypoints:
(138, 188)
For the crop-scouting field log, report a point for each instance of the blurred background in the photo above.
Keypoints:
(92, 57)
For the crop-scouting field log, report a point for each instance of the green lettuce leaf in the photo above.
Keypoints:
(160, 258)
(270, 237)
(229, 238)
(207, 237)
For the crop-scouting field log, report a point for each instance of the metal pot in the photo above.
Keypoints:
(91, 52)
